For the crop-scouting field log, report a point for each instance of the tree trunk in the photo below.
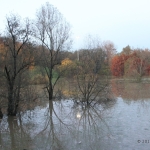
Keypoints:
(1, 114)
(50, 91)
(11, 102)
(17, 97)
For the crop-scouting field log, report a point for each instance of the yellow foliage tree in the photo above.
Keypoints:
(66, 62)
(67, 66)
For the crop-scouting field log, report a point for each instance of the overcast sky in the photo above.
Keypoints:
(124, 22)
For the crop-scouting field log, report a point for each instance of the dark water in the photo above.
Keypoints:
(120, 124)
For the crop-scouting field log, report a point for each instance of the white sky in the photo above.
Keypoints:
(124, 22)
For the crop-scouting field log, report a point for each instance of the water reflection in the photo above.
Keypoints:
(113, 124)
(60, 125)
(12, 135)
(131, 91)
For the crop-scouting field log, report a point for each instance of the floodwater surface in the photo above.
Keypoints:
(122, 123)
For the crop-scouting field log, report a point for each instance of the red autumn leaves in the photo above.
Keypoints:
(135, 63)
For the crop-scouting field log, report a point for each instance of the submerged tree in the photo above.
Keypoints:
(90, 83)
(17, 58)
(53, 32)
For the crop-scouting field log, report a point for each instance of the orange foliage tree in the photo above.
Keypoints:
(117, 64)
(134, 63)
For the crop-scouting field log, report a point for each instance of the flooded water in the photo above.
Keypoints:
(119, 124)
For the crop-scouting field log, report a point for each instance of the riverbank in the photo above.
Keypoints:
(125, 79)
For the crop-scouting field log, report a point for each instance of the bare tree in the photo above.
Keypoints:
(90, 83)
(17, 59)
(53, 32)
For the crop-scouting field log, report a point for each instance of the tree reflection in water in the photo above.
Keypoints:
(131, 91)
(67, 124)
(12, 135)
(60, 125)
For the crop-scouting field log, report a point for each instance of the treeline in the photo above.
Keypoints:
(97, 59)
(131, 63)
